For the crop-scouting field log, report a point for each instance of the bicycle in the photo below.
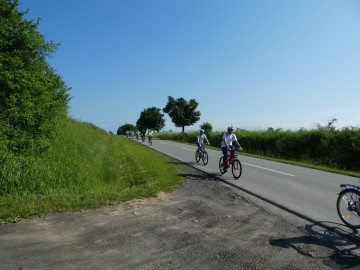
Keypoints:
(143, 137)
(233, 161)
(202, 154)
(348, 205)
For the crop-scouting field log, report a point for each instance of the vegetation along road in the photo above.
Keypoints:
(309, 193)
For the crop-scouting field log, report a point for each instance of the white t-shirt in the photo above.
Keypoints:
(229, 139)
(201, 138)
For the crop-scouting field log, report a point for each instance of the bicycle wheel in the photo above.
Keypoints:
(221, 165)
(197, 156)
(205, 158)
(236, 169)
(348, 207)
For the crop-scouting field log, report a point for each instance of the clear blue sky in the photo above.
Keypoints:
(251, 64)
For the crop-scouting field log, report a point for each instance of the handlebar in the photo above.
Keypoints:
(233, 148)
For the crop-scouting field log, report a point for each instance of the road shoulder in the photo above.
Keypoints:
(204, 224)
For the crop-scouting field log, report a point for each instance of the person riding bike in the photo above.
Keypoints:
(150, 135)
(200, 139)
(226, 144)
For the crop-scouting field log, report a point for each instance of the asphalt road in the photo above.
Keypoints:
(307, 192)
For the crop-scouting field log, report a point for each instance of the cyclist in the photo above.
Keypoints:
(143, 136)
(150, 135)
(201, 138)
(226, 144)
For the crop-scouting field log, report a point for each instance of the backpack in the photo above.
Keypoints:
(221, 138)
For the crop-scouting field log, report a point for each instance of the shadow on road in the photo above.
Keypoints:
(199, 175)
(345, 252)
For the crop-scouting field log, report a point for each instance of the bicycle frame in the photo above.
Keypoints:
(231, 157)
(201, 154)
(202, 148)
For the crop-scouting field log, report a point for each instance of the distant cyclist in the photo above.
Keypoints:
(150, 135)
(226, 144)
(200, 139)
(143, 136)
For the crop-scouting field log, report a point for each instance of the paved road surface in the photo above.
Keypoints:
(311, 193)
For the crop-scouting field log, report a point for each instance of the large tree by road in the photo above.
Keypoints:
(32, 96)
(182, 113)
(150, 118)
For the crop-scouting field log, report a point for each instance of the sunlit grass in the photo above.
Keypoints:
(85, 167)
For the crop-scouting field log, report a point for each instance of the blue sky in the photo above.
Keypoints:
(251, 64)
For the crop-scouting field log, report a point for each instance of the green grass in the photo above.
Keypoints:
(85, 167)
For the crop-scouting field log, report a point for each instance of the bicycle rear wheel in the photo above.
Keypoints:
(205, 158)
(197, 156)
(348, 207)
(221, 165)
(236, 169)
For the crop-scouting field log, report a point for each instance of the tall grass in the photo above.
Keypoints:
(84, 167)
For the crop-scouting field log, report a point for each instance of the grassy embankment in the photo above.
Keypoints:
(85, 167)
(332, 150)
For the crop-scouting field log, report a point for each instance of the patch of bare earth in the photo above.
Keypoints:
(202, 225)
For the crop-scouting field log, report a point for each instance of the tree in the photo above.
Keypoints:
(206, 126)
(127, 127)
(329, 127)
(150, 118)
(181, 112)
(32, 96)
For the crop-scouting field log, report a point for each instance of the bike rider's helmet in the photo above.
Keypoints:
(202, 131)
(230, 128)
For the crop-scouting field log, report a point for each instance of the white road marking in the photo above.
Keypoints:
(267, 169)
(250, 165)
(187, 149)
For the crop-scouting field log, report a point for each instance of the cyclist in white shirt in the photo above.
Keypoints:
(201, 138)
(226, 144)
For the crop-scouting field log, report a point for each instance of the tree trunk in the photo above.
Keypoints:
(183, 129)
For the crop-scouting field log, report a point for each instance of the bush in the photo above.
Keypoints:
(32, 96)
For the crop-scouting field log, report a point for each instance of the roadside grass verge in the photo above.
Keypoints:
(85, 167)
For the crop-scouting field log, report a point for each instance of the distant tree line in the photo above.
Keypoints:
(182, 113)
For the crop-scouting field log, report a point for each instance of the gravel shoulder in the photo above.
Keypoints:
(204, 224)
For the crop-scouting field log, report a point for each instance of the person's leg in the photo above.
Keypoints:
(225, 153)
(198, 146)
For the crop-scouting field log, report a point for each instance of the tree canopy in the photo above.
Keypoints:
(150, 118)
(127, 127)
(32, 96)
(182, 113)
(206, 126)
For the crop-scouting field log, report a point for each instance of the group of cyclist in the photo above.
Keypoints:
(227, 140)
(138, 135)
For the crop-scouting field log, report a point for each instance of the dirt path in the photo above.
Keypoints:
(202, 225)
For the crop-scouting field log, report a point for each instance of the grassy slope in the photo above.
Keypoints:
(85, 167)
